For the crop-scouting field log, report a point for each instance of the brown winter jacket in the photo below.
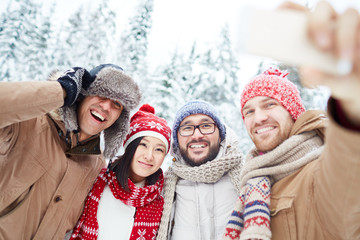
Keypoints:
(321, 200)
(43, 184)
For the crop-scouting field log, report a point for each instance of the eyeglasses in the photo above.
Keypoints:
(204, 128)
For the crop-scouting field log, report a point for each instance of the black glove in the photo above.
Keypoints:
(72, 81)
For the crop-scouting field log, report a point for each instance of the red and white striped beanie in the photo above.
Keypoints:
(145, 123)
(274, 83)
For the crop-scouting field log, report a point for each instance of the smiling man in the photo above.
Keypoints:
(50, 158)
(294, 175)
(268, 122)
(286, 138)
(200, 185)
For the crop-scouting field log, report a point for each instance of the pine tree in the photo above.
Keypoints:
(221, 69)
(73, 39)
(7, 38)
(86, 40)
(221, 88)
(100, 34)
(175, 83)
(52, 42)
(38, 60)
(24, 35)
(60, 53)
(133, 45)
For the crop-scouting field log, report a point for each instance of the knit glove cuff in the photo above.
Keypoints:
(71, 82)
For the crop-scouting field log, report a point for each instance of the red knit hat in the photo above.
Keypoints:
(273, 83)
(145, 123)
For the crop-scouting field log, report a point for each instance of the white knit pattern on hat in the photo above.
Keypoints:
(145, 123)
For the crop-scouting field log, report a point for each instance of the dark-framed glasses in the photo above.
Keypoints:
(204, 128)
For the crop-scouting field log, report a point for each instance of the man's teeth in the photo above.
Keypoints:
(197, 146)
(98, 115)
(265, 129)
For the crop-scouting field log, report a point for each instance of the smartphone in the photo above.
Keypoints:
(281, 35)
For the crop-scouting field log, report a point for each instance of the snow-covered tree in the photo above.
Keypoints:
(72, 42)
(24, 37)
(38, 59)
(221, 72)
(100, 35)
(133, 44)
(86, 40)
(175, 83)
(8, 39)
(221, 84)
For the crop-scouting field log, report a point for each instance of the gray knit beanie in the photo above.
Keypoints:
(110, 82)
(196, 107)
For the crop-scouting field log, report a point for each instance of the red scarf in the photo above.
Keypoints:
(147, 200)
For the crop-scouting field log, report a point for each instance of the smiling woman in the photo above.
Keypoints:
(147, 160)
(128, 191)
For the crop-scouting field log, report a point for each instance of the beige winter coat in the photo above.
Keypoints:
(322, 199)
(43, 184)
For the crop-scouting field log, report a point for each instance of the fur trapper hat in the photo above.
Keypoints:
(110, 82)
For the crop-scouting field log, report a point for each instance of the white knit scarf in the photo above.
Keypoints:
(251, 217)
(209, 172)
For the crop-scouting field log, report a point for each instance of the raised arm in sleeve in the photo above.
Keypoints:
(20, 101)
(337, 181)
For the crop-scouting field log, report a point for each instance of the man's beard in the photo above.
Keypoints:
(213, 152)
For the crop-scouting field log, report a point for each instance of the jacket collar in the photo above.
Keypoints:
(311, 120)
(89, 146)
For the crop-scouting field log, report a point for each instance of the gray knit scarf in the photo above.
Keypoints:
(209, 172)
(251, 216)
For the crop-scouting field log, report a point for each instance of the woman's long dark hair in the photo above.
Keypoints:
(121, 166)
